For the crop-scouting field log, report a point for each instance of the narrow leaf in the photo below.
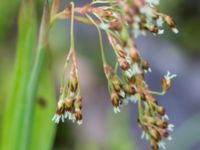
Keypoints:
(25, 46)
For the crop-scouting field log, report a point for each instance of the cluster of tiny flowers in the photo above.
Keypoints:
(122, 20)
(70, 103)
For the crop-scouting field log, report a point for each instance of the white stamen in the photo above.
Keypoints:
(165, 117)
(80, 122)
(175, 30)
(66, 114)
(72, 94)
(62, 118)
(122, 93)
(161, 31)
(162, 145)
(170, 76)
(171, 127)
(147, 136)
(149, 69)
(153, 2)
(169, 138)
(134, 98)
(72, 117)
(159, 22)
(56, 118)
(104, 26)
(116, 110)
(136, 69)
(143, 135)
(129, 73)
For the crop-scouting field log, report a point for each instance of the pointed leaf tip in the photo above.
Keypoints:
(43, 34)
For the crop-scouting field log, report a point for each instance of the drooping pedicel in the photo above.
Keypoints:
(122, 21)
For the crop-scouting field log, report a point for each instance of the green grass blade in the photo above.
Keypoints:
(43, 129)
(34, 80)
(26, 125)
(26, 44)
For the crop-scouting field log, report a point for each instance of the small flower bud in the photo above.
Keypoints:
(134, 55)
(78, 115)
(163, 132)
(115, 25)
(161, 123)
(166, 84)
(120, 51)
(160, 110)
(124, 65)
(107, 14)
(145, 65)
(155, 134)
(60, 110)
(129, 89)
(132, 79)
(170, 22)
(78, 103)
(150, 120)
(68, 104)
(115, 99)
(116, 84)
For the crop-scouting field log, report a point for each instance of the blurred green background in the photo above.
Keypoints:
(101, 129)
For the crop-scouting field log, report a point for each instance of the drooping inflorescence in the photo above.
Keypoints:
(122, 21)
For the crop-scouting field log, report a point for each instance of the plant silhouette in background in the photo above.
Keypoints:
(122, 21)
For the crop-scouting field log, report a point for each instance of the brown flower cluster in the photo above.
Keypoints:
(122, 20)
(70, 102)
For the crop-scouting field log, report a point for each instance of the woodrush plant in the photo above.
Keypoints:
(122, 21)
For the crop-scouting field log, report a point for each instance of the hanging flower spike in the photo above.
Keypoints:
(70, 105)
(115, 87)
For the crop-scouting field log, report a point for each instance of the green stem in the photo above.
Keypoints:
(72, 50)
(140, 109)
(116, 66)
(100, 40)
(72, 26)
(158, 93)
